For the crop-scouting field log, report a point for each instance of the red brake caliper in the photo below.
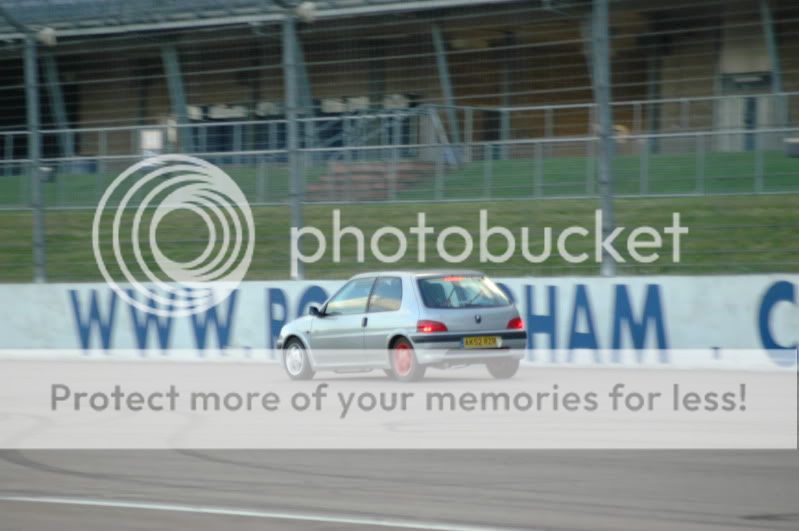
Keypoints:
(402, 359)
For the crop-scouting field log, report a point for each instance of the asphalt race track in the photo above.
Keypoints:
(232, 490)
(126, 490)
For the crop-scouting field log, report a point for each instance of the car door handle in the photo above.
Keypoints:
(364, 321)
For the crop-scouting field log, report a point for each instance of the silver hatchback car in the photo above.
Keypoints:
(404, 322)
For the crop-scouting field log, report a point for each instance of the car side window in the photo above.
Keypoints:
(387, 295)
(352, 298)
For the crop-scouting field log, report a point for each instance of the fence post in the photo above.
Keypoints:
(758, 163)
(59, 182)
(260, 179)
(439, 182)
(684, 114)
(102, 140)
(488, 169)
(237, 143)
(700, 164)
(590, 170)
(272, 133)
(292, 132)
(504, 127)
(202, 138)
(602, 93)
(348, 158)
(468, 119)
(396, 127)
(643, 162)
(34, 153)
(538, 176)
(8, 154)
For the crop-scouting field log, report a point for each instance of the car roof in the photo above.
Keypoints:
(419, 273)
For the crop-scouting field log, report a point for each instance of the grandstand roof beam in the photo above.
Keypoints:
(306, 102)
(145, 21)
(507, 90)
(446, 83)
(177, 95)
(774, 57)
(13, 22)
(56, 95)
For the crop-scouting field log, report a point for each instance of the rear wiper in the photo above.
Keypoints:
(447, 301)
(469, 303)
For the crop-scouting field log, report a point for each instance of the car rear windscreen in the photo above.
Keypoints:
(461, 291)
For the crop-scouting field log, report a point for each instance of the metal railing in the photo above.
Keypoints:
(736, 161)
(637, 117)
(479, 124)
(689, 161)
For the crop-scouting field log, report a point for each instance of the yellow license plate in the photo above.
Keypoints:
(481, 342)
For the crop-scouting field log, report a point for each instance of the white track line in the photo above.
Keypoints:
(252, 513)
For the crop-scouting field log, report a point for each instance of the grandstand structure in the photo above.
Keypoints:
(492, 71)
(493, 66)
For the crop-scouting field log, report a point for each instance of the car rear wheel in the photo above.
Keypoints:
(503, 369)
(404, 366)
(295, 361)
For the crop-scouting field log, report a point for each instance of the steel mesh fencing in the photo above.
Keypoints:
(445, 110)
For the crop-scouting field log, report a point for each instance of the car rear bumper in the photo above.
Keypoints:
(466, 356)
(454, 340)
(448, 348)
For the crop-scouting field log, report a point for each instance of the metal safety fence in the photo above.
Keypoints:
(539, 111)
(391, 161)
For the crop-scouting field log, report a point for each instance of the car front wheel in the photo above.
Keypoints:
(295, 361)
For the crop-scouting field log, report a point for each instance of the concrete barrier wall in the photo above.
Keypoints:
(570, 320)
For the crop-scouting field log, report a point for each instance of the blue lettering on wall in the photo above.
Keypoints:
(200, 324)
(781, 291)
(141, 324)
(277, 308)
(582, 310)
(541, 323)
(275, 298)
(94, 318)
(507, 291)
(314, 294)
(652, 313)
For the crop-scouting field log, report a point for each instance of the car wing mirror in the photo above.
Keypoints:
(314, 310)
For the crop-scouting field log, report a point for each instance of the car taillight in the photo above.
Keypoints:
(516, 324)
(428, 327)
